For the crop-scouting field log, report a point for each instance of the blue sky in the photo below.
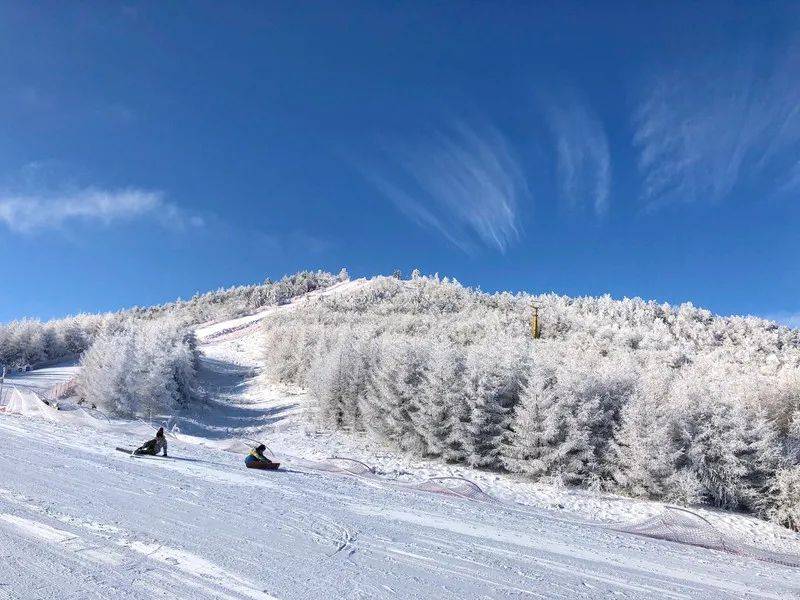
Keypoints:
(149, 151)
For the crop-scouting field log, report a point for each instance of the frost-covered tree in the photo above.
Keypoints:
(637, 397)
(683, 486)
(104, 376)
(397, 386)
(537, 430)
(641, 456)
(75, 338)
(575, 462)
(443, 408)
(784, 502)
(761, 453)
(339, 382)
(144, 367)
(711, 448)
(493, 383)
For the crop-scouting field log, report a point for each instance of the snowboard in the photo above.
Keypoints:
(131, 453)
(266, 467)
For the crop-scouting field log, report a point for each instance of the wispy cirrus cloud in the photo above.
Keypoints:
(28, 213)
(465, 183)
(703, 131)
(793, 181)
(584, 161)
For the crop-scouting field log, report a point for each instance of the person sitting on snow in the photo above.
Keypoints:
(256, 458)
(154, 446)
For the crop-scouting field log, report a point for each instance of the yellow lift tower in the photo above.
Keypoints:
(536, 330)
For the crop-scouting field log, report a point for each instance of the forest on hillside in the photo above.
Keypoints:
(142, 361)
(628, 396)
(633, 397)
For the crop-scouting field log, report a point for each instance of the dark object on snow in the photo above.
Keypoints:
(257, 460)
(264, 466)
(155, 445)
(130, 452)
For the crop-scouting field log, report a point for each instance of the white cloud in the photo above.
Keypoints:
(703, 131)
(28, 213)
(464, 183)
(584, 162)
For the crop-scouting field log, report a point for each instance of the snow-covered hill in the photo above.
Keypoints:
(80, 520)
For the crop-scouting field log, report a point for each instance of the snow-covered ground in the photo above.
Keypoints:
(80, 520)
(22, 392)
(41, 380)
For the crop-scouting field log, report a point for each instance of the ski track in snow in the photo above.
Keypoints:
(80, 520)
(99, 524)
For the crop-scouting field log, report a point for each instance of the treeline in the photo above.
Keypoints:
(235, 301)
(632, 397)
(30, 341)
(143, 360)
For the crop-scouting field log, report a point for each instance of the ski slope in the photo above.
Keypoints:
(79, 520)
(41, 380)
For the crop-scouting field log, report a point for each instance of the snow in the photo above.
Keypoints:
(23, 392)
(90, 522)
(243, 325)
(80, 520)
(36, 529)
(41, 380)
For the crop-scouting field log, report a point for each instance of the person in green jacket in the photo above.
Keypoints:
(256, 459)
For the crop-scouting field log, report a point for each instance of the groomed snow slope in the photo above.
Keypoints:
(41, 380)
(79, 520)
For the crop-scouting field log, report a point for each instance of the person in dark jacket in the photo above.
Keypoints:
(154, 446)
(257, 460)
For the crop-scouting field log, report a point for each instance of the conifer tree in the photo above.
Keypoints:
(441, 401)
(537, 428)
(761, 454)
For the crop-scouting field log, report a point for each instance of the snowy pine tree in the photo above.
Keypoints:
(761, 454)
(537, 427)
(492, 393)
(641, 456)
(442, 402)
(711, 449)
(783, 505)
(575, 459)
(396, 385)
